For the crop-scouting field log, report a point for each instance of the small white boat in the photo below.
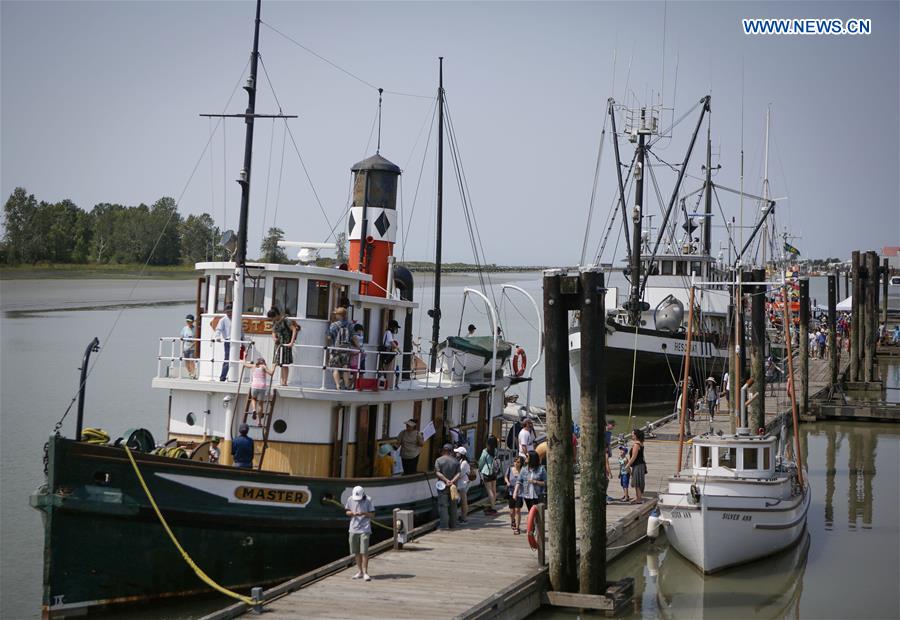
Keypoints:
(463, 356)
(737, 503)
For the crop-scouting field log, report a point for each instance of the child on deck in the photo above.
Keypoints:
(258, 384)
(624, 474)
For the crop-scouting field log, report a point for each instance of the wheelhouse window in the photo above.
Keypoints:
(727, 458)
(695, 268)
(667, 267)
(680, 268)
(367, 323)
(284, 295)
(704, 457)
(766, 462)
(317, 299)
(254, 289)
(223, 293)
(751, 458)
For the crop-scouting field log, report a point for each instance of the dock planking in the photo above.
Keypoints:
(481, 569)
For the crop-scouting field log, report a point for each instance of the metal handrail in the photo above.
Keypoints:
(178, 344)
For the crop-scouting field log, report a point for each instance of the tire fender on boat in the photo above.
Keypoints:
(518, 362)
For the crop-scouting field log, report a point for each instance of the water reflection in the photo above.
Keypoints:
(769, 588)
(862, 445)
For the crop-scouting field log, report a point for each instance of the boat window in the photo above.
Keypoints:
(367, 322)
(279, 426)
(223, 293)
(667, 267)
(254, 289)
(751, 458)
(317, 299)
(284, 295)
(695, 268)
(766, 463)
(340, 297)
(727, 458)
(203, 294)
(680, 268)
(704, 457)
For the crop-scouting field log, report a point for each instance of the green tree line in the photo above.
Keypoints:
(43, 232)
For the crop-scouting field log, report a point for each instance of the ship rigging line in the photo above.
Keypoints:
(337, 66)
(590, 216)
(412, 210)
(140, 275)
(466, 200)
(297, 150)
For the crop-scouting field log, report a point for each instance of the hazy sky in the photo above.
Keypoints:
(100, 103)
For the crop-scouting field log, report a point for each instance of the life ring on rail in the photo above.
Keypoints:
(532, 527)
(518, 362)
(761, 431)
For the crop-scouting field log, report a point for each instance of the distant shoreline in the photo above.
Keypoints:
(187, 272)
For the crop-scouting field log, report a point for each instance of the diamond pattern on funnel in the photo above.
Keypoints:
(382, 224)
(352, 222)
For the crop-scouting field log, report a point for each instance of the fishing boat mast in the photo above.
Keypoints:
(435, 312)
(634, 302)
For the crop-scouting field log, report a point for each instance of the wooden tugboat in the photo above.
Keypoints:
(314, 442)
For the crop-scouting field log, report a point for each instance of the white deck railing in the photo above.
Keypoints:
(311, 368)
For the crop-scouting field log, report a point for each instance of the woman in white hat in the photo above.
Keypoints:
(360, 510)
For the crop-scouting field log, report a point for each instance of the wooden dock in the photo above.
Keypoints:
(481, 569)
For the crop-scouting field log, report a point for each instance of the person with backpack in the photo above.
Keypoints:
(489, 466)
(339, 353)
(512, 437)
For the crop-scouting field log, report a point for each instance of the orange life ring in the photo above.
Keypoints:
(518, 362)
(532, 527)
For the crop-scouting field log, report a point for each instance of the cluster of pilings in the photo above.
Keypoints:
(866, 274)
(583, 572)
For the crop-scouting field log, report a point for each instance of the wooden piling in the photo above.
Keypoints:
(885, 278)
(870, 282)
(560, 477)
(832, 329)
(757, 413)
(592, 448)
(855, 322)
(803, 396)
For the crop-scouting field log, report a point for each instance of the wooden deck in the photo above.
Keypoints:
(481, 569)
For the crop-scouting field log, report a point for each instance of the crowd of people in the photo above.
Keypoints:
(345, 340)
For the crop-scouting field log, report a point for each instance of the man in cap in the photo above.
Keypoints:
(411, 442)
(526, 438)
(242, 448)
(446, 468)
(187, 344)
(360, 509)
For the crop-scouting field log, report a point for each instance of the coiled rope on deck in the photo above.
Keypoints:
(190, 562)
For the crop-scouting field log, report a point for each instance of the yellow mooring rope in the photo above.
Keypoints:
(203, 576)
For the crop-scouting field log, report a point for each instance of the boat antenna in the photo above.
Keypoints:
(378, 147)
(435, 312)
(634, 303)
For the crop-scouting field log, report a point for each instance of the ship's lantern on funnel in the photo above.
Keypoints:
(373, 221)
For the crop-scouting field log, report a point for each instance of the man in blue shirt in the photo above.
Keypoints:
(242, 448)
